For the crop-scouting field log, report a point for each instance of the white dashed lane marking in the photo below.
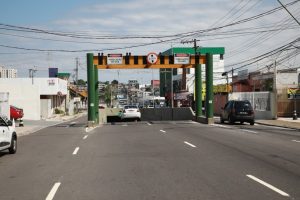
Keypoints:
(53, 191)
(219, 125)
(85, 137)
(76, 151)
(191, 145)
(249, 131)
(268, 185)
(162, 131)
(296, 141)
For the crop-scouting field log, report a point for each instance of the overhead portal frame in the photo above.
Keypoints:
(140, 62)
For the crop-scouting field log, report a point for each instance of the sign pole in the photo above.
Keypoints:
(96, 95)
(91, 89)
(209, 88)
(198, 82)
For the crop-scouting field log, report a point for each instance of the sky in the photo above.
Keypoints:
(97, 20)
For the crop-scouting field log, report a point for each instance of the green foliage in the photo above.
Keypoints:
(114, 82)
(81, 82)
(58, 111)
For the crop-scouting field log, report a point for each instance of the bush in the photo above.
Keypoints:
(58, 111)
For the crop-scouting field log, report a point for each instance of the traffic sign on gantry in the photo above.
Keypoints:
(151, 60)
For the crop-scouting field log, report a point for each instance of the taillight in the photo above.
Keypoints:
(251, 112)
(232, 110)
(124, 111)
(138, 111)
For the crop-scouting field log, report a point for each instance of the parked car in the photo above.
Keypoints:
(130, 112)
(8, 136)
(241, 111)
(16, 113)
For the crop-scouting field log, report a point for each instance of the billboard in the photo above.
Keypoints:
(53, 72)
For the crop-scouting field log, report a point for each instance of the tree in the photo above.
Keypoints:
(114, 82)
(81, 82)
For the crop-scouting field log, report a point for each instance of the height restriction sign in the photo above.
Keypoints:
(152, 58)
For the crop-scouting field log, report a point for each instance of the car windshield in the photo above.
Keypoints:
(130, 107)
(243, 105)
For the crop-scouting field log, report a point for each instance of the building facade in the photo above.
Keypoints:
(8, 73)
(38, 97)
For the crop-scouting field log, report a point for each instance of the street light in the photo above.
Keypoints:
(226, 74)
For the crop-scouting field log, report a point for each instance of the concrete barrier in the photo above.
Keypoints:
(167, 114)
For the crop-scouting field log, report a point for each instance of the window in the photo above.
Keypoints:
(2, 122)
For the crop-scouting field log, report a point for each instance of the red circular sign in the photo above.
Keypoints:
(152, 58)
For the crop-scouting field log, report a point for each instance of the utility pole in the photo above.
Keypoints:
(32, 72)
(232, 80)
(198, 80)
(275, 89)
(76, 70)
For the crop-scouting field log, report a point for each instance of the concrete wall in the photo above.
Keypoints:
(166, 114)
(25, 93)
(4, 104)
(263, 103)
(24, 96)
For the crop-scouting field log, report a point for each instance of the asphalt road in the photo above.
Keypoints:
(154, 160)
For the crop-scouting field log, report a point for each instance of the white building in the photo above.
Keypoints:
(39, 97)
(8, 73)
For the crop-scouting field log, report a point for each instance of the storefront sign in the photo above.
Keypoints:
(182, 58)
(114, 59)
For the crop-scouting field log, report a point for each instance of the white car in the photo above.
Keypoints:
(131, 112)
(8, 135)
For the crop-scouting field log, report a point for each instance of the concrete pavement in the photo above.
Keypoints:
(31, 126)
(281, 122)
(153, 160)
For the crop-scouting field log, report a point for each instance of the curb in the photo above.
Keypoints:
(281, 126)
(43, 127)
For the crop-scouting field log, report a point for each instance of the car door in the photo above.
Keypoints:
(4, 135)
(227, 109)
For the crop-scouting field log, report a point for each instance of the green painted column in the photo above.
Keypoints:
(91, 88)
(209, 86)
(96, 95)
(198, 82)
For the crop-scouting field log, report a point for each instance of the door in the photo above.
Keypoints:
(4, 135)
(227, 109)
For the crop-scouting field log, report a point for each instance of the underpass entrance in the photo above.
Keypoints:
(155, 61)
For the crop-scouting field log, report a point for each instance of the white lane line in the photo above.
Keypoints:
(295, 140)
(248, 131)
(53, 191)
(189, 144)
(219, 125)
(76, 151)
(85, 137)
(268, 185)
(162, 131)
(149, 124)
(125, 125)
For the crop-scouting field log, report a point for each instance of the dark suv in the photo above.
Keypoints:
(235, 110)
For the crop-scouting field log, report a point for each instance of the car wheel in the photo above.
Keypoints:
(221, 120)
(252, 123)
(13, 145)
(230, 120)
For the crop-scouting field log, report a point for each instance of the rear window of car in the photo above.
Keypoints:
(243, 104)
(129, 107)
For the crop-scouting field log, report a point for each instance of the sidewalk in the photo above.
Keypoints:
(281, 122)
(31, 126)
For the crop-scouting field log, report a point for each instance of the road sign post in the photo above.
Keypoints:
(91, 89)
(209, 88)
(198, 83)
(96, 95)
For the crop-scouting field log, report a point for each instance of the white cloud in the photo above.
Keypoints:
(146, 17)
